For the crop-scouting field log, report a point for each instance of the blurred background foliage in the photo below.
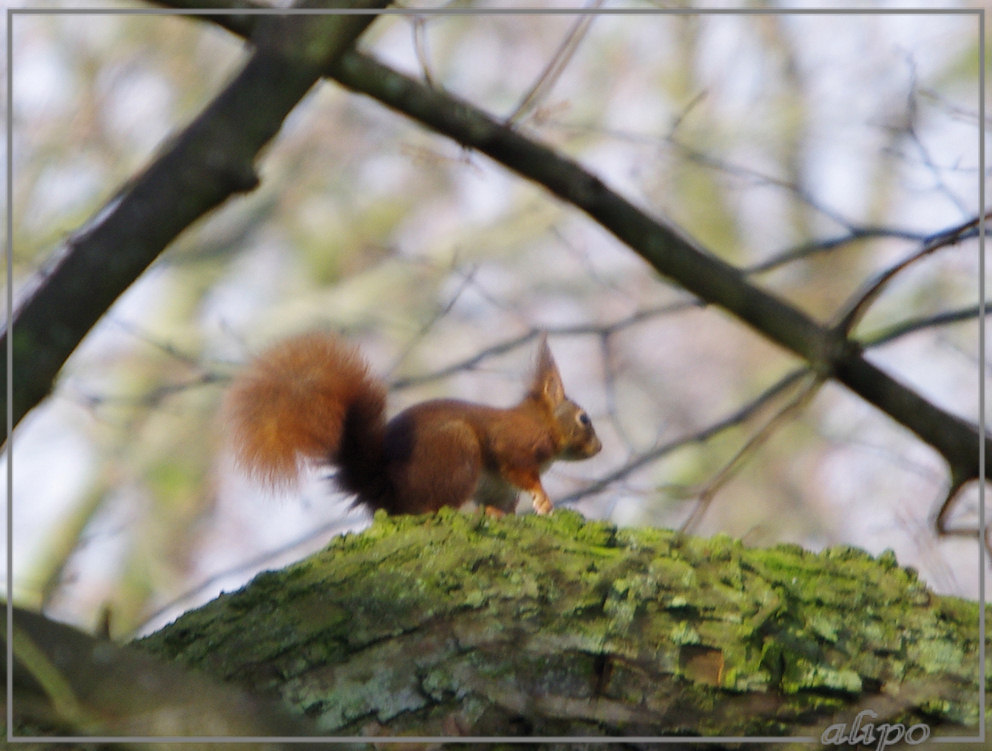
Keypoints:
(842, 139)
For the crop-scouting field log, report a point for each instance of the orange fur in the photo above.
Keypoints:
(291, 404)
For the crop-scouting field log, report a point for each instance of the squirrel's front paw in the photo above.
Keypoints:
(542, 504)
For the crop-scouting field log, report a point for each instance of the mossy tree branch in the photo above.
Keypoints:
(461, 624)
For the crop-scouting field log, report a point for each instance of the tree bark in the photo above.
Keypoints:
(69, 684)
(458, 624)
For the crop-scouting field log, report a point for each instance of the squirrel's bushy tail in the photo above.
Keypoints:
(310, 397)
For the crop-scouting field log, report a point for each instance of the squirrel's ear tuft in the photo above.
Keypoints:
(547, 380)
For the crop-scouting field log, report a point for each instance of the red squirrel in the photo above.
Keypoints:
(312, 397)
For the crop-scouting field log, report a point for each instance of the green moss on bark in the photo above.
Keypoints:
(555, 625)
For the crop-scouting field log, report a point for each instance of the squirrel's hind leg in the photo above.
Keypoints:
(440, 470)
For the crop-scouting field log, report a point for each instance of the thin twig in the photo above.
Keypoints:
(706, 494)
(912, 325)
(815, 247)
(509, 345)
(420, 48)
(732, 420)
(556, 66)
(856, 308)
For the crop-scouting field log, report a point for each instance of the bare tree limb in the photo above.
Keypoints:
(204, 165)
(825, 349)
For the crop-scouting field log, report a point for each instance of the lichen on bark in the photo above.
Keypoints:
(460, 623)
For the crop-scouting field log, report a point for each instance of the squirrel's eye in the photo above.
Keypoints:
(583, 419)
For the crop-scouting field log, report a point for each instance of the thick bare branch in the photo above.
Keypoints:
(204, 165)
